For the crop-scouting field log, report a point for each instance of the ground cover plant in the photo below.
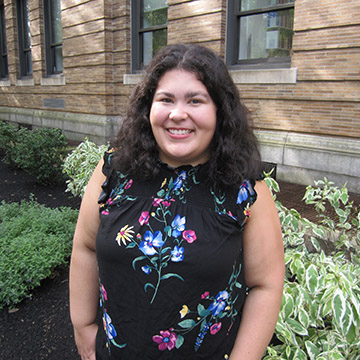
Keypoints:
(34, 240)
(320, 311)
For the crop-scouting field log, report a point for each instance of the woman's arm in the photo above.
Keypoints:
(264, 274)
(84, 282)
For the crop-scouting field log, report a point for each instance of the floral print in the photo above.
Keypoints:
(109, 328)
(207, 319)
(159, 243)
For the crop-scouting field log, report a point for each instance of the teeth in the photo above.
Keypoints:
(179, 131)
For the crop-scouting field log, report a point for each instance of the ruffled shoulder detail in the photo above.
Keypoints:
(108, 171)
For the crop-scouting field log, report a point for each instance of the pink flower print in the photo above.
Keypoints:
(144, 218)
(166, 203)
(215, 328)
(104, 293)
(109, 202)
(128, 185)
(189, 236)
(105, 212)
(166, 340)
(157, 201)
(205, 295)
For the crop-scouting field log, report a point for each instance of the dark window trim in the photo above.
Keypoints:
(24, 53)
(136, 38)
(50, 48)
(4, 69)
(233, 33)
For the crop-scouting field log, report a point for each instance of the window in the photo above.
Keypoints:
(260, 32)
(149, 30)
(24, 37)
(4, 72)
(53, 37)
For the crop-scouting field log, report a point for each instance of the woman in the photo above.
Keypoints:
(187, 250)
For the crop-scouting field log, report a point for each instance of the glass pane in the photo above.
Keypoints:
(56, 29)
(27, 60)
(27, 36)
(3, 33)
(58, 59)
(266, 35)
(154, 13)
(152, 42)
(260, 4)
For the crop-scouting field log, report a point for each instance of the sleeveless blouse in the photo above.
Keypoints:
(170, 259)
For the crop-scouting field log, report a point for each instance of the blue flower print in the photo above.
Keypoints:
(150, 241)
(178, 225)
(109, 328)
(146, 269)
(244, 191)
(179, 180)
(177, 254)
(219, 303)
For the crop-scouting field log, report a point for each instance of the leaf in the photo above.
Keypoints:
(303, 318)
(202, 311)
(187, 324)
(169, 275)
(167, 230)
(295, 326)
(343, 314)
(137, 259)
(179, 341)
(312, 350)
(319, 232)
(148, 285)
(131, 245)
(287, 305)
(311, 278)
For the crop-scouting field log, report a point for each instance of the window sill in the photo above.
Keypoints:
(5, 82)
(132, 79)
(25, 82)
(265, 76)
(53, 80)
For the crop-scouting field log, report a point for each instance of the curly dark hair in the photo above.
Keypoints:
(234, 153)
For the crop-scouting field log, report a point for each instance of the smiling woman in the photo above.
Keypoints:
(183, 119)
(186, 243)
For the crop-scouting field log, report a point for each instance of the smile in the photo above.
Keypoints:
(179, 131)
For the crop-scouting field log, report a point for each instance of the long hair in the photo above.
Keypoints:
(234, 153)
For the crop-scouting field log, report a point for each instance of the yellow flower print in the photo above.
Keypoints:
(247, 211)
(125, 234)
(163, 183)
(184, 311)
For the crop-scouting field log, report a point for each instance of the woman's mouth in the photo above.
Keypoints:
(179, 131)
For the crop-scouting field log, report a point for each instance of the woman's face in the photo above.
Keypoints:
(182, 118)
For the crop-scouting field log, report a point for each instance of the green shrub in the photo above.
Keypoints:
(40, 153)
(8, 141)
(34, 240)
(80, 164)
(320, 311)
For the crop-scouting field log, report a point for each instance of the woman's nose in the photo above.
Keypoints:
(178, 113)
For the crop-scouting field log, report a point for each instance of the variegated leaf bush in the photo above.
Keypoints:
(80, 164)
(320, 311)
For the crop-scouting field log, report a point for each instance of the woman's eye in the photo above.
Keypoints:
(196, 101)
(165, 100)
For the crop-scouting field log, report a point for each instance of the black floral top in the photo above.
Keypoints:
(170, 263)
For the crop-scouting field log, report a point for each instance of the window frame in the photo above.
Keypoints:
(25, 57)
(233, 38)
(4, 66)
(137, 55)
(50, 47)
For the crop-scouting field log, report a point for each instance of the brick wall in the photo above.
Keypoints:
(97, 51)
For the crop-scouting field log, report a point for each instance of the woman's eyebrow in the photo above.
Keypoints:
(164, 93)
(196, 93)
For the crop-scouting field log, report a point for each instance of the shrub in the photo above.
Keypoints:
(34, 240)
(320, 311)
(80, 164)
(8, 141)
(40, 153)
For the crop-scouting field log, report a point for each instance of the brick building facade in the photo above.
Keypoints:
(306, 112)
